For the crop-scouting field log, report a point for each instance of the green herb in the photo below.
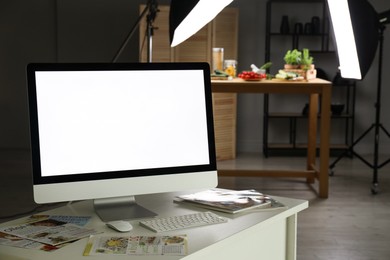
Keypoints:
(293, 57)
(307, 60)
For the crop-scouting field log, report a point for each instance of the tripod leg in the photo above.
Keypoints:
(384, 130)
(349, 150)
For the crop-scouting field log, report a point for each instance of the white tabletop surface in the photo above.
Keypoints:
(162, 204)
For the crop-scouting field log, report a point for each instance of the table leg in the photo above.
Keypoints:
(312, 134)
(323, 177)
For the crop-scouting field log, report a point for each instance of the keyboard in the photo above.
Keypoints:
(164, 224)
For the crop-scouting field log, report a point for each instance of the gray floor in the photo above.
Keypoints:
(351, 224)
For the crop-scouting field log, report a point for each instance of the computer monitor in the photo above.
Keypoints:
(108, 132)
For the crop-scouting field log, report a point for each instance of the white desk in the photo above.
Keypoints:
(257, 235)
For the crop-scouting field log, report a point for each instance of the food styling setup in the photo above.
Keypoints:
(298, 66)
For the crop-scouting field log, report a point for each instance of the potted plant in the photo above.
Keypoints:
(307, 60)
(292, 59)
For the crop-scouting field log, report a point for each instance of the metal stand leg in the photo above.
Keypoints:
(377, 126)
(152, 9)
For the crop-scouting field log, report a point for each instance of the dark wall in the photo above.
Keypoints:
(93, 30)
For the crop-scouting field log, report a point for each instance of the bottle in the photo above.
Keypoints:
(217, 59)
(316, 26)
(298, 29)
(285, 26)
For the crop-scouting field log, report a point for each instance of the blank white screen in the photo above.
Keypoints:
(98, 121)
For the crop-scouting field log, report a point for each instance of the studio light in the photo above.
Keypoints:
(186, 17)
(355, 25)
(345, 39)
(189, 16)
(358, 30)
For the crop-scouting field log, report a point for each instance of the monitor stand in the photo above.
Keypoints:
(120, 208)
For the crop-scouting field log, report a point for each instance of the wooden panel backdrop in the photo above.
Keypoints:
(221, 32)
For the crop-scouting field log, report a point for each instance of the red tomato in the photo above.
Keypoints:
(251, 75)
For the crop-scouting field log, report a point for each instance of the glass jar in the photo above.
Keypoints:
(230, 67)
(217, 59)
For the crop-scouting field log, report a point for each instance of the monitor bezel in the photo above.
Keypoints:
(38, 179)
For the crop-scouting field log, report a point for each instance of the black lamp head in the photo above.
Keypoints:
(189, 16)
(365, 23)
(178, 11)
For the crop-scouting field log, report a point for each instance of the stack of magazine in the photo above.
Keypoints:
(230, 201)
(46, 232)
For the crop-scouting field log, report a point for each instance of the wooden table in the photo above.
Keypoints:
(316, 89)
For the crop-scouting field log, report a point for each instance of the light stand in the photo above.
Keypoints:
(376, 126)
(152, 9)
(185, 19)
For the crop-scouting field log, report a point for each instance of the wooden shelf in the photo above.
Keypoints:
(285, 149)
(299, 34)
(304, 146)
(300, 115)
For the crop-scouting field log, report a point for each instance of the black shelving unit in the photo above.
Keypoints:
(295, 37)
(322, 39)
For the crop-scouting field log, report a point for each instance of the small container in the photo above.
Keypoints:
(308, 28)
(337, 108)
(298, 29)
(285, 25)
(316, 25)
(230, 67)
(217, 59)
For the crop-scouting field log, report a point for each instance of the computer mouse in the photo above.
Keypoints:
(120, 225)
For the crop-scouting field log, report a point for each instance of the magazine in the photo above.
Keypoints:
(230, 201)
(77, 220)
(11, 240)
(136, 245)
(48, 231)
